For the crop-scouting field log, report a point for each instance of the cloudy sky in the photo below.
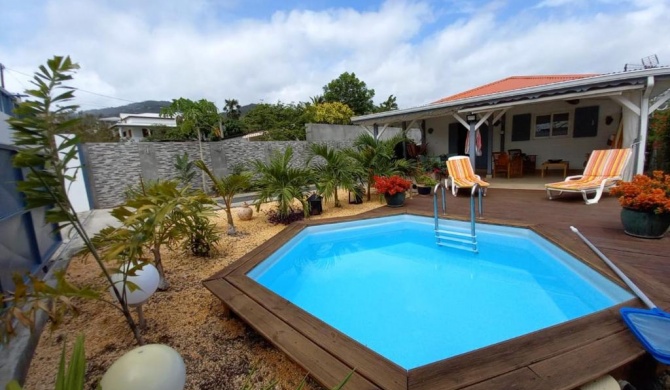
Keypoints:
(269, 51)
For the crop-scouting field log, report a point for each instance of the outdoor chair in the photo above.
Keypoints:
(603, 171)
(505, 163)
(461, 175)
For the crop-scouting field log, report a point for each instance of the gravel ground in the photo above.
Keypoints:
(220, 353)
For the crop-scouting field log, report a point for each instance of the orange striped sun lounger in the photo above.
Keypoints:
(603, 171)
(461, 175)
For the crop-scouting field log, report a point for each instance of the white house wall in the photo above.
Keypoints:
(567, 147)
(5, 131)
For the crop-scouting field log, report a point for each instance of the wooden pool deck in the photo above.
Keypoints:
(561, 357)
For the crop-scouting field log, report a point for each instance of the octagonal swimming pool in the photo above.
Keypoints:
(386, 284)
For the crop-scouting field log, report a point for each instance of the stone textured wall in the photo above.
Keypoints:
(113, 167)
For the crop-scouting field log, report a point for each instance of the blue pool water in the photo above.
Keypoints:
(386, 284)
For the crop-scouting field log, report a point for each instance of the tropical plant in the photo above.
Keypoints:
(184, 167)
(333, 169)
(155, 217)
(227, 187)
(378, 158)
(391, 185)
(387, 105)
(71, 379)
(425, 180)
(232, 109)
(37, 121)
(202, 232)
(348, 89)
(279, 181)
(645, 193)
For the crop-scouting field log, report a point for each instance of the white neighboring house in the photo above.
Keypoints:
(135, 127)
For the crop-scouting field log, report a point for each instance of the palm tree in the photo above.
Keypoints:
(317, 99)
(280, 181)
(232, 109)
(227, 187)
(377, 157)
(334, 169)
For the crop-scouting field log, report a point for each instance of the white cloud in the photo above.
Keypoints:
(150, 50)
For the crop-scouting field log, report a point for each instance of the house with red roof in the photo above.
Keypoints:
(549, 117)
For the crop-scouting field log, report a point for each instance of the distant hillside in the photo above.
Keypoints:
(133, 108)
(152, 106)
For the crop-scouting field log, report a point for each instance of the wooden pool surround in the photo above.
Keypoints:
(563, 356)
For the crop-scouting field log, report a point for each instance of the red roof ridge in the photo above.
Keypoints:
(513, 83)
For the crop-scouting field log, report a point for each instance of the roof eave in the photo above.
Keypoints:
(555, 88)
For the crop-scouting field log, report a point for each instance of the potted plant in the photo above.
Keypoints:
(424, 183)
(393, 188)
(646, 205)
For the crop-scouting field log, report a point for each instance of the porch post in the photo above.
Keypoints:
(471, 135)
(375, 131)
(638, 164)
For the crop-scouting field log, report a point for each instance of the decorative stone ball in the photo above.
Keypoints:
(245, 212)
(146, 279)
(149, 367)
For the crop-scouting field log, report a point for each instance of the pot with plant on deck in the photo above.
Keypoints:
(424, 184)
(646, 205)
(393, 188)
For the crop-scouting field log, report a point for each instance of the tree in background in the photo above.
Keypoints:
(334, 113)
(232, 109)
(91, 129)
(281, 122)
(196, 120)
(348, 89)
(388, 105)
(317, 99)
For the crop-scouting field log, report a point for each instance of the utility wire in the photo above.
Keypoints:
(78, 89)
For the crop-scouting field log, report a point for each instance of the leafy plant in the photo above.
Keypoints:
(185, 169)
(425, 180)
(37, 121)
(73, 378)
(377, 158)
(348, 89)
(334, 169)
(227, 187)
(645, 193)
(155, 217)
(279, 181)
(202, 232)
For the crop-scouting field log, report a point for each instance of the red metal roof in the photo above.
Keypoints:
(512, 83)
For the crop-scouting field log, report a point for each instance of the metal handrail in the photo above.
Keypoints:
(444, 202)
(453, 235)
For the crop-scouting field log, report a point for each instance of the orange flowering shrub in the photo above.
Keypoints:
(391, 185)
(645, 193)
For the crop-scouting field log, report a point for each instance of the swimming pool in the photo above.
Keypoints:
(384, 283)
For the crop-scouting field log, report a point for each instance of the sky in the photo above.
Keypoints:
(269, 51)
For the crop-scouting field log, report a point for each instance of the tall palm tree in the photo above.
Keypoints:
(280, 181)
(232, 109)
(334, 169)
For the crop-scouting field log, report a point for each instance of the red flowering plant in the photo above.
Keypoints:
(645, 193)
(391, 185)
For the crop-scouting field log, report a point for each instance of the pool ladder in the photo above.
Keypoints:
(454, 239)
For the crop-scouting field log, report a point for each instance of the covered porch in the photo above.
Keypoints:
(553, 118)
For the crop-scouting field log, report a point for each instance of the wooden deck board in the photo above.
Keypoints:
(561, 357)
(311, 357)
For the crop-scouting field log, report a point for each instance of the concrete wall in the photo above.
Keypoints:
(317, 132)
(113, 167)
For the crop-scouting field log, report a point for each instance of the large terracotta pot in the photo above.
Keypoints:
(644, 224)
(396, 200)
